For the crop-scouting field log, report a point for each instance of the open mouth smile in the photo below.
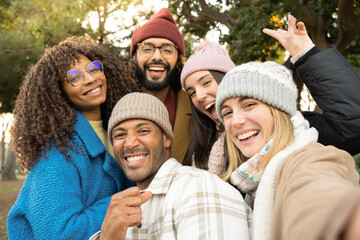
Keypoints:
(156, 69)
(247, 135)
(135, 158)
(209, 107)
(92, 91)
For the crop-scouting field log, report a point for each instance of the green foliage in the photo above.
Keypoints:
(16, 54)
(357, 162)
(179, 8)
(352, 53)
(245, 39)
(28, 27)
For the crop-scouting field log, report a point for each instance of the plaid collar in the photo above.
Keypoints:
(162, 180)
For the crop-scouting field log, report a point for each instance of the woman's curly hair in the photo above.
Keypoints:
(43, 114)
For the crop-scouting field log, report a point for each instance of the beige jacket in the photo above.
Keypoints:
(183, 127)
(315, 194)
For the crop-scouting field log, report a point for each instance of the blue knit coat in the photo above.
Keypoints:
(63, 199)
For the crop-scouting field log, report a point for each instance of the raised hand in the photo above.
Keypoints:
(124, 211)
(295, 39)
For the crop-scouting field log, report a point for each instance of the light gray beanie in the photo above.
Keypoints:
(140, 106)
(268, 82)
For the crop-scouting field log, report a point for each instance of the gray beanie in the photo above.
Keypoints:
(140, 106)
(268, 82)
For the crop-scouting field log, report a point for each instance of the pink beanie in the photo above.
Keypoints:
(208, 56)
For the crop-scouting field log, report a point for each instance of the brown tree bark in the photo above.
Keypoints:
(10, 166)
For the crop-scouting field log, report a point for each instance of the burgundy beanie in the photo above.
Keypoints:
(208, 56)
(161, 25)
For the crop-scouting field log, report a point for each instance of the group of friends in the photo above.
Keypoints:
(166, 147)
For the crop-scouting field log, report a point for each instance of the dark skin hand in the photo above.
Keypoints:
(124, 211)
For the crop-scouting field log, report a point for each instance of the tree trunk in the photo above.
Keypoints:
(10, 166)
(2, 152)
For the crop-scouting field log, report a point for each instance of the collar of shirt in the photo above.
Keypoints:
(162, 180)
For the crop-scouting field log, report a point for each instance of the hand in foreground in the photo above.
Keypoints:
(124, 211)
(295, 39)
(352, 231)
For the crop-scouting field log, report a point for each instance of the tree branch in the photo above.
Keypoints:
(316, 28)
(207, 14)
(247, 4)
(349, 24)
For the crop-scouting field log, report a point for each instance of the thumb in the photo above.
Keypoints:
(145, 196)
(301, 26)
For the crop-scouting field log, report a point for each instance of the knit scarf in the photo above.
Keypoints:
(248, 175)
(265, 193)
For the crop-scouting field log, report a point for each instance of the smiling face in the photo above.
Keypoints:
(249, 123)
(88, 96)
(155, 72)
(140, 148)
(201, 87)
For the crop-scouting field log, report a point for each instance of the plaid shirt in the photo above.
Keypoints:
(190, 203)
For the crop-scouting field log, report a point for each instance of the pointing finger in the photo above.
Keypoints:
(291, 23)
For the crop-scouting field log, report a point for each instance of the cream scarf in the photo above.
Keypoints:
(265, 190)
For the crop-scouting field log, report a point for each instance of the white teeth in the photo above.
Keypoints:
(209, 105)
(93, 91)
(247, 135)
(135, 158)
(156, 69)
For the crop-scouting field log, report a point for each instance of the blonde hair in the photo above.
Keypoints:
(234, 157)
(282, 136)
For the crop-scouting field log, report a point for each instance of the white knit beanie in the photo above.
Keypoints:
(268, 82)
(140, 106)
(208, 56)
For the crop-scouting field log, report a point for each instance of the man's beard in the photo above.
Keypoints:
(173, 75)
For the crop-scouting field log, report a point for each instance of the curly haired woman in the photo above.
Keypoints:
(61, 116)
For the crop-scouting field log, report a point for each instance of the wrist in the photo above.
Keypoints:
(297, 56)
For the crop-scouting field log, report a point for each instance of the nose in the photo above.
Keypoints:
(238, 118)
(200, 94)
(88, 78)
(131, 142)
(157, 54)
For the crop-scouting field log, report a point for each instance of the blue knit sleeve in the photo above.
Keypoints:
(62, 199)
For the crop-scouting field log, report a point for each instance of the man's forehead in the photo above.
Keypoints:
(157, 41)
(134, 123)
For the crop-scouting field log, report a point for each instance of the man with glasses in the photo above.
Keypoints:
(157, 48)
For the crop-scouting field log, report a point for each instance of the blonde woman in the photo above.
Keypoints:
(298, 188)
(332, 81)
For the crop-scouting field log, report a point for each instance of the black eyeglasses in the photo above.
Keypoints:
(167, 50)
(76, 77)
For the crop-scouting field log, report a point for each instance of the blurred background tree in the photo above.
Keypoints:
(27, 27)
(327, 21)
